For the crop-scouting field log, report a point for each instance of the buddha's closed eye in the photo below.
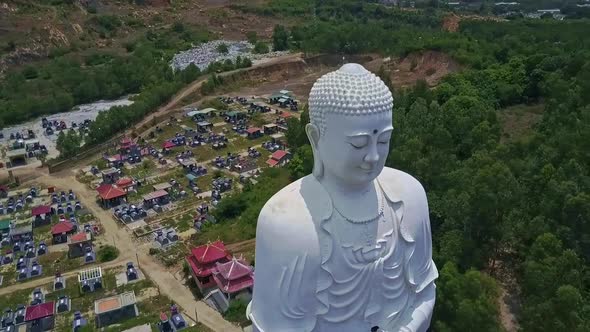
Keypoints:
(358, 142)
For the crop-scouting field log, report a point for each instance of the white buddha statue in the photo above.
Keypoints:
(347, 248)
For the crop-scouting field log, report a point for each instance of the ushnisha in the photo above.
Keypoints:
(347, 248)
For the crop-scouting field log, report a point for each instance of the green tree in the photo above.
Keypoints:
(466, 302)
(295, 134)
(190, 73)
(68, 143)
(280, 38)
(261, 47)
(222, 48)
(302, 162)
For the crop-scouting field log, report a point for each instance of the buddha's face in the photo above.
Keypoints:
(354, 149)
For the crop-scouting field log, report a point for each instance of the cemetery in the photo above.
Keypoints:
(22, 146)
(35, 219)
(114, 306)
(152, 182)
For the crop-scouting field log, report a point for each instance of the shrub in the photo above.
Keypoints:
(178, 27)
(222, 48)
(107, 253)
(236, 311)
(260, 47)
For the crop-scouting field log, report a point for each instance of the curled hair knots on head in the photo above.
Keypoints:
(351, 90)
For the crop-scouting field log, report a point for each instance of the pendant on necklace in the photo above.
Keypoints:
(368, 236)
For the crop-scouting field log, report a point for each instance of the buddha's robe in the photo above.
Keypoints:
(310, 278)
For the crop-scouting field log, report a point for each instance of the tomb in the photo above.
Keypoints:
(90, 280)
(114, 309)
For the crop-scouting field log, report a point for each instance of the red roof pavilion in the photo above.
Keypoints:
(253, 130)
(233, 276)
(41, 209)
(168, 145)
(80, 237)
(39, 311)
(107, 191)
(124, 182)
(279, 154)
(62, 227)
(202, 259)
(272, 162)
(285, 115)
(210, 252)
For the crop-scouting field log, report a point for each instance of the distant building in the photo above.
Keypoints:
(159, 197)
(110, 176)
(79, 244)
(61, 230)
(202, 262)
(270, 129)
(126, 184)
(279, 158)
(17, 157)
(41, 317)
(114, 309)
(254, 132)
(234, 278)
(110, 195)
(4, 228)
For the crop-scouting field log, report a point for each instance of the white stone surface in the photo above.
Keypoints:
(78, 114)
(347, 248)
(205, 54)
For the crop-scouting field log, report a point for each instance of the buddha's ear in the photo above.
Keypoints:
(313, 134)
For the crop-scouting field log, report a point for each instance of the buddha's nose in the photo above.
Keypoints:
(372, 155)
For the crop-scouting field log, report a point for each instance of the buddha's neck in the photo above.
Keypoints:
(339, 190)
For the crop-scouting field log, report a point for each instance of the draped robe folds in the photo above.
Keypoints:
(330, 285)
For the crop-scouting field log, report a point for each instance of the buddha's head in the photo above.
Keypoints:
(350, 125)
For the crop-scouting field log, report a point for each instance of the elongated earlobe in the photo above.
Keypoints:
(313, 134)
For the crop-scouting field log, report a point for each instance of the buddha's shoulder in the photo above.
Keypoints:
(401, 184)
(290, 207)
